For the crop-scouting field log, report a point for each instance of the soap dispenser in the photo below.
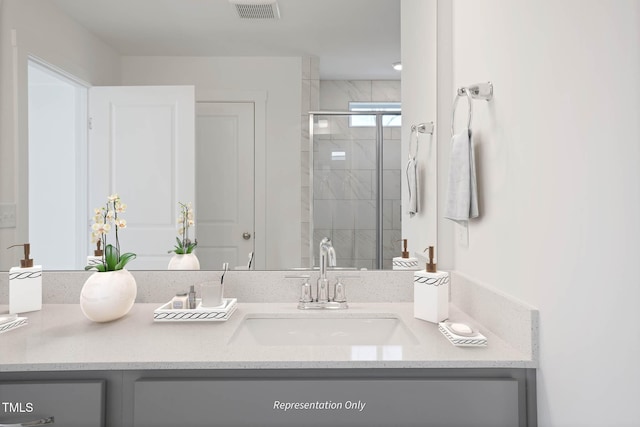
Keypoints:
(25, 284)
(96, 258)
(431, 292)
(404, 262)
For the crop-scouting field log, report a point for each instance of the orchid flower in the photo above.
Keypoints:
(185, 220)
(104, 218)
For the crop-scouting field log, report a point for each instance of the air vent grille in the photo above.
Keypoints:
(258, 11)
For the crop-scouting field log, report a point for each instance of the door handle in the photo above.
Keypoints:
(246, 235)
(40, 422)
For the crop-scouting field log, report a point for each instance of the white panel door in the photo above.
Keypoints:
(224, 183)
(142, 146)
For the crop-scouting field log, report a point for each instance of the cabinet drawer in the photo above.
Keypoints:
(77, 403)
(332, 402)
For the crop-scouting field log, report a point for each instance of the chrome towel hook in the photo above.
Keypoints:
(480, 91)
(415, 130)
(476, 91)
(423, 128)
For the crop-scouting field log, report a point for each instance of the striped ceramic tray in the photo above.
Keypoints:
(199, 314)
(11, 322)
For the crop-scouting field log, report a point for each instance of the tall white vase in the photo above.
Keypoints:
(184, 262)
(108, 296)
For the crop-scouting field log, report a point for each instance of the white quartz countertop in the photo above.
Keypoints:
(60, 338)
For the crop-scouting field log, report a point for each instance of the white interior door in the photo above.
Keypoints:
(142, 146)
(225, 183)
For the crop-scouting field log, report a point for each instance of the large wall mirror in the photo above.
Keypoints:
(105, 94)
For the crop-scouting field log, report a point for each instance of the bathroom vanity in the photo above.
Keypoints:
(244, 372)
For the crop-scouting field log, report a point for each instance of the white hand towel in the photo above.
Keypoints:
(462, 200)
(412, 181)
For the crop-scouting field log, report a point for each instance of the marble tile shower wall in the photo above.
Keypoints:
(344, 189)
(310, 102)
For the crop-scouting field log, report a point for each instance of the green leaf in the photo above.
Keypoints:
(124, 259)
(192, 246)
(111, 257)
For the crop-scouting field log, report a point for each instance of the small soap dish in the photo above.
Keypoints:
(11, 321)
(199, 314)
(462, 335)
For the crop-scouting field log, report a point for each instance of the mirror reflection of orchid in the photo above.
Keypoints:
(185, 220)
(105, 220)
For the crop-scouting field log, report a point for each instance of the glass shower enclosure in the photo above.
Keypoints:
(354, 196)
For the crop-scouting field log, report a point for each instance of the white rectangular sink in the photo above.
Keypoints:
(275, 330)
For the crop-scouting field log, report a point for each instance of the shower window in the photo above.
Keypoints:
(394, 120)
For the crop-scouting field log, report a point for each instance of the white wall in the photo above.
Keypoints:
(281, 77)
(43, 31)
(558, 156)
(419, 105)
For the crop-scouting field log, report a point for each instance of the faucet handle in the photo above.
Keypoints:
(339, 294)
(305, 292)
(305, 289)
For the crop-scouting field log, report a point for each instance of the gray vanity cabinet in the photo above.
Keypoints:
(66, 403)
(326, 402)
(441, 397)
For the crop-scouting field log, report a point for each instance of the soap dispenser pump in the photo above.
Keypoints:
(25, 284)
(26, 262)
(404, 262)
(431, 266)
(431, 292)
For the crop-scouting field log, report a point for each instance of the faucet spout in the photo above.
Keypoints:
(327, 256)
(327, 259)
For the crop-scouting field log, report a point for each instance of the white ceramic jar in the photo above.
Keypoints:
(108, 295)
(184, 262)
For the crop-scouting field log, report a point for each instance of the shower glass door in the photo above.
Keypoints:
(355, 196)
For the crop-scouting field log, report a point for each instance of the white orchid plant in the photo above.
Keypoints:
(104, 220)
(185, 220)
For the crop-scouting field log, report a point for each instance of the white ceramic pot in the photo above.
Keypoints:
(108, 296)
(184, 262)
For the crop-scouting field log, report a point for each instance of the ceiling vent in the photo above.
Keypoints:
(256, 9)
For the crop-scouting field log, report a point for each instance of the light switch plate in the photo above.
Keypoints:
(7, 215)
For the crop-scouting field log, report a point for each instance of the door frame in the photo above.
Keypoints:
(259, 99)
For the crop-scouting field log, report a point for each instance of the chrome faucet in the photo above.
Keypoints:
(327, 255)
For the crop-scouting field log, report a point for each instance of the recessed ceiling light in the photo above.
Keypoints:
(397, 66)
